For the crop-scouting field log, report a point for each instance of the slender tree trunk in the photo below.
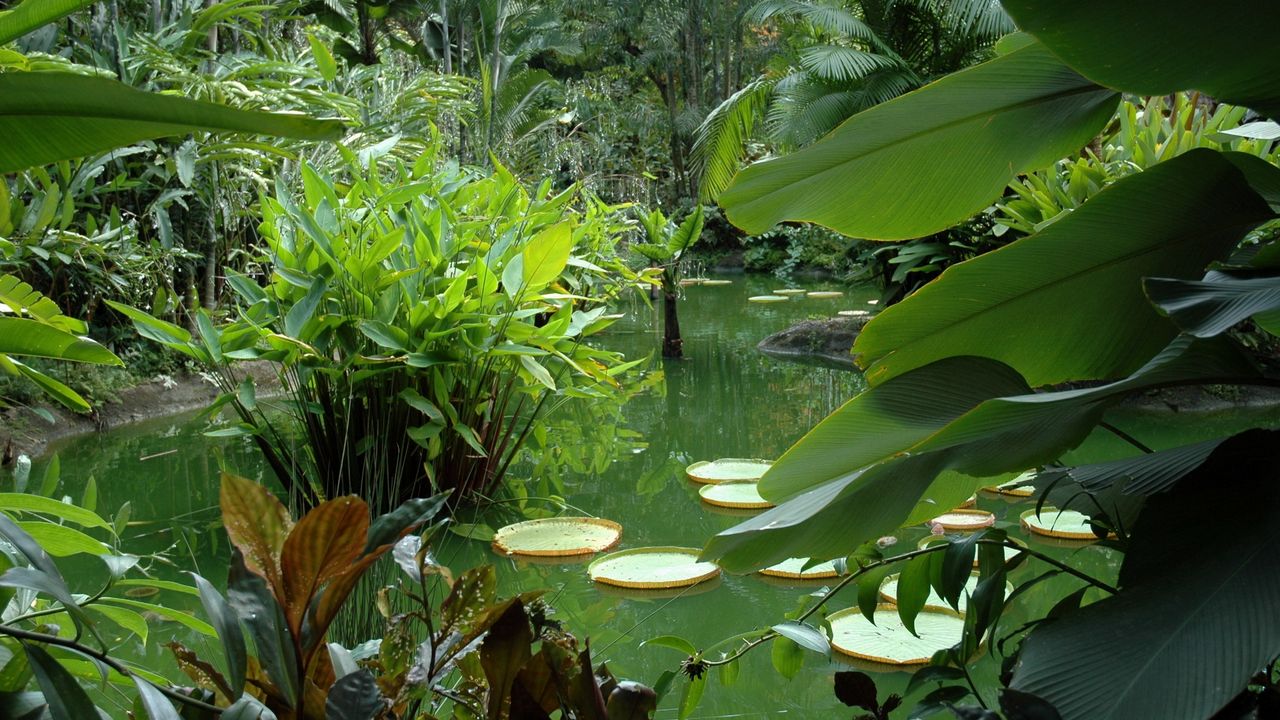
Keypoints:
(368, 46)
(672, 343)
(444, 37)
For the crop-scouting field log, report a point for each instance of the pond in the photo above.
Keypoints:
(724, 399)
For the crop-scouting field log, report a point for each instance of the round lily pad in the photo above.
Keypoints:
(741, 494)
(1065, 524)
(824, 294)
(557, 537)
(888, 640)
(889, 592)
(717, 283)
(965, 520)
(790, 291)
(725, 469)
(767, 298)
(692, 281)
(853, 313)
(793, 568)
(1016, 487)
(652, 568)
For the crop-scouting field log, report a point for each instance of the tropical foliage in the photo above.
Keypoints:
(1133, 289)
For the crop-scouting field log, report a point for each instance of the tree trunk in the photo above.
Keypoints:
(368, 46)
(672, 343)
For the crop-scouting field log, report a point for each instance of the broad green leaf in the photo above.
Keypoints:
(46, 116)
(156, 705)
(20, 336)
(66, 396)
(325, 63)
(787, 656)
(227, 625)
(692, 694)
(33, 14)
(23, 502)
(1213, 305)
(1194, 620)
(931, 158)
(913, 590)
(63, 541)
(806, 636)
(182, 618)
(546, 255)
(675, 642)
(127, 619)
(1226, 49)
(1067, 303)
(66, 699)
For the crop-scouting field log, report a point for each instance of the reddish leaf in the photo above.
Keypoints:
(323, 545)
(325, 607)
(503, 653)
(257, 524)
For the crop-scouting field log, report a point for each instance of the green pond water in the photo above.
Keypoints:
(725, 399)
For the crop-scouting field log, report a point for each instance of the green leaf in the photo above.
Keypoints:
(46, 117)
(127, 619)
(1196, 618)
(63, 541)
(302, 311)
(913, 590)
(33, 14)
(66, 699)
(1224, 49)
(675, 642)
(157, 706)
(20, 336)
(325, 63)
(89, 500)
(182, 618)
(546, 255)
(66, 396)
(929, 159)
(787, 657)
(23, 502)
(227, 625)
(52, 474)
(1073, 291)
(692, 695)
(1213, 305)
(806, 636)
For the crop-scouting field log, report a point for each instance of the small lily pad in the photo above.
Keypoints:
(726, 469)
(790, 291)
(740, 494)
(1016, 487)
(767, 298)
(825, 294)
(888, 640)
(557, 537)
(853, 313)
(686, 282)
(652, 568)
(717, 283)
(793, 568)
(965, 520)
(1065, 524)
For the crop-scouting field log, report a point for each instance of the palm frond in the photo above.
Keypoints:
(838, 63)
(719, 143)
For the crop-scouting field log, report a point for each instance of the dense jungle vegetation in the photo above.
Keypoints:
(407, 243)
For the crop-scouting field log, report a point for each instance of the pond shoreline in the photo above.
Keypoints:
(23, 432)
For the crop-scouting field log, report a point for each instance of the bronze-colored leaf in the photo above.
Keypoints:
(257, 524)
(202, 673)
(325, 608)
(503, 653)
(323, 545)
(475, 589)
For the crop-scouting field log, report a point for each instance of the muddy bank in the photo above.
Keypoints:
(23, 431)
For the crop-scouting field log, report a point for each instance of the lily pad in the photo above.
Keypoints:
(965, 520)
(825, 294)
(853, 313)
(888, 640)
(793, 568)
(557, 537)
(727, 469)
(1016, 487)
(652, 568)
(790, 291)
(686, 282)
(889, 592)
(717, 283)
(741, 494)
(970, 502)
(767, 298)
(1065, 524)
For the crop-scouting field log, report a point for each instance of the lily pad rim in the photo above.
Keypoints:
(693, 553)
(881, 607)
(714, 481)
(708, 488)
(583, 520)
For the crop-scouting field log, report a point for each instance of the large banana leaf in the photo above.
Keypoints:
(32, 14)
(20, 336)
(838, 501)
(929, 159)
(1195, 618)
(1226, 49)
(1211, 306)
(45, 117)
(1067, 303)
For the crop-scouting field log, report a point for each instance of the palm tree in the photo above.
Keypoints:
(836, 59)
